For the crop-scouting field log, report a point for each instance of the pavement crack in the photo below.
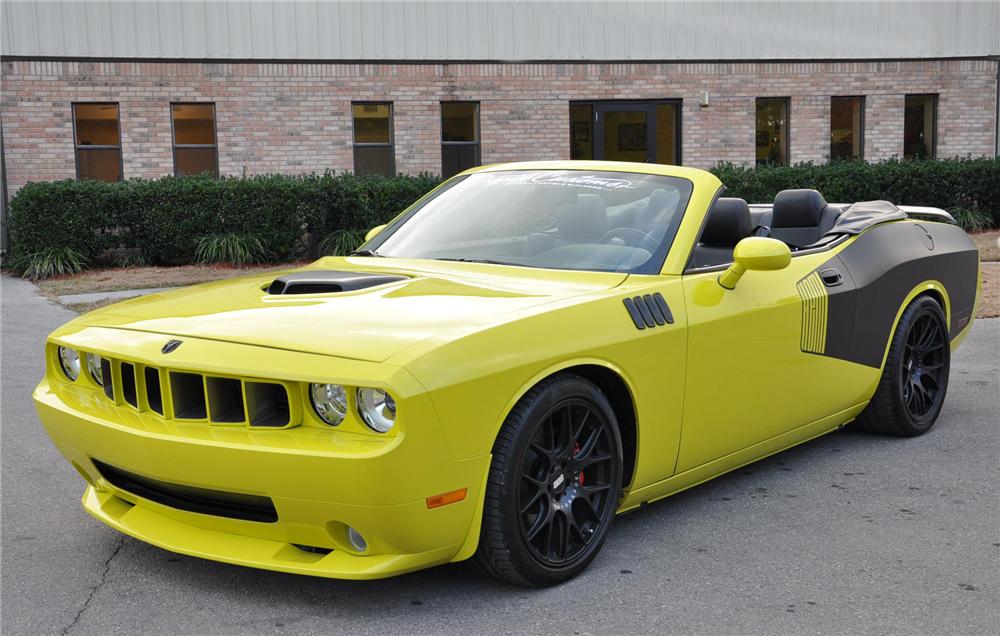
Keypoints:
(100, 584)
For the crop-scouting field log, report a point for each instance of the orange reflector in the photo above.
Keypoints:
(447, 498)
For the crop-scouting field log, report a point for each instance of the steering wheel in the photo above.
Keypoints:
(544, 223)
(632, 238)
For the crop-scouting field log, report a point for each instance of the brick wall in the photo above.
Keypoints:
(296, 117)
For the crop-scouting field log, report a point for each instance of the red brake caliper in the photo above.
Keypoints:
(576, 449)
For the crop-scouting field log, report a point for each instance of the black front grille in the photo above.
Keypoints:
(107, 378)
(154, 396)
(188, 391)
(190, 498)
(267, 404)
(185, 395)
(128, 384)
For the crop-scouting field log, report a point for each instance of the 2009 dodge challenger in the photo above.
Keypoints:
(520, 355)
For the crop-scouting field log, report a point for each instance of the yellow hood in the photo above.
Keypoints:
(436, 298)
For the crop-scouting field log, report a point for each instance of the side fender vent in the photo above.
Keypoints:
(327, 282)
(815, 307)
(649, 310)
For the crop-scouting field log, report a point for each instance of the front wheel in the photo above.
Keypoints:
(554, 484)
(915, 377)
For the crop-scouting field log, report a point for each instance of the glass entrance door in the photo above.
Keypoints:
(626, 131)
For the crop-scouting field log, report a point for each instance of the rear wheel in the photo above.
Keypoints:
(554, 484)
(915, 377)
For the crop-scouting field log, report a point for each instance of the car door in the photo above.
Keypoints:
(754, 366)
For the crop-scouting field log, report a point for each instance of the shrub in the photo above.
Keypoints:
(237, 249)
(341, 242)
(971, 220)
(277, 217)
(52, 261)
(176, 220)
(969, 188)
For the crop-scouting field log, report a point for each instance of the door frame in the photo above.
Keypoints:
(599, 106)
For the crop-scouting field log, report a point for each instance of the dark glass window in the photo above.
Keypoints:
(772, 131)
(459, 137)
(195, 149)
(920, 127)
(581, 124)
(847, 120)
(373, 141)
(668, 133)
(98, 142)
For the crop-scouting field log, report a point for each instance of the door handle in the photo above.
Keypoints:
(831, 277)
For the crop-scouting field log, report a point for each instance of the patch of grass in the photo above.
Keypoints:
(119, 279)
(989, 302)
(82, 308)
(52, 261)
(237, 249)
(341, 242)
(988, 244)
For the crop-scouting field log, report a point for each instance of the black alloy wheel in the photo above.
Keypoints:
(924, 357)
(567, 482)
(554, 484)
(914, 379)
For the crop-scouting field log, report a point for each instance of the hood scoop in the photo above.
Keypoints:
(327, 282)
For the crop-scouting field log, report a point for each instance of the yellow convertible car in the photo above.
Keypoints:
(523, 353)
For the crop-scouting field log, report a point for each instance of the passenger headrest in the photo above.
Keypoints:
(585, 221)
(728, 223)
(797, 208)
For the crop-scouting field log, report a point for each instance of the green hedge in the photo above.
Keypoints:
(969, 188)
(164, 221)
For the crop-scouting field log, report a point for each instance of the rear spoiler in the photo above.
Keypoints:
(928, 214)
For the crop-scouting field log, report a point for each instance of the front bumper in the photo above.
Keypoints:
(319, 481)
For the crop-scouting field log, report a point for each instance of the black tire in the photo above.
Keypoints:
(554, 484)
(914, 380)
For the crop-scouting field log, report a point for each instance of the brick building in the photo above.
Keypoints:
(143, 89)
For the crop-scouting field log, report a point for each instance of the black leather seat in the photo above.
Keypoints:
(801, 217)
(728, 223)
(585, 220)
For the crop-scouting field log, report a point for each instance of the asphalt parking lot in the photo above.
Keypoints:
(851, 533)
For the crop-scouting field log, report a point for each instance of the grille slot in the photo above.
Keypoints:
(188, 392)
(225, 400)
(154, 396)
(128, 384)
(267, 404)
(108, 377)
(190, 498)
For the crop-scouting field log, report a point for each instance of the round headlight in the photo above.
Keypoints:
(377, 408)
(69, 360)
(330, 402)
(94, 365)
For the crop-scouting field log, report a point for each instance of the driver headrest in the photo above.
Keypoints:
(797, 208)
(661, 201)
(728, 223)
(585, 221)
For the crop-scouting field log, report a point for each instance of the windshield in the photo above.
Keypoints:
(559, 219)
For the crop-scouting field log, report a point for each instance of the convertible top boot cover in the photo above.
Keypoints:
(858, 217)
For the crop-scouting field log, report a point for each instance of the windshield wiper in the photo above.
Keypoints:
(365, 253)
(481, 260)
